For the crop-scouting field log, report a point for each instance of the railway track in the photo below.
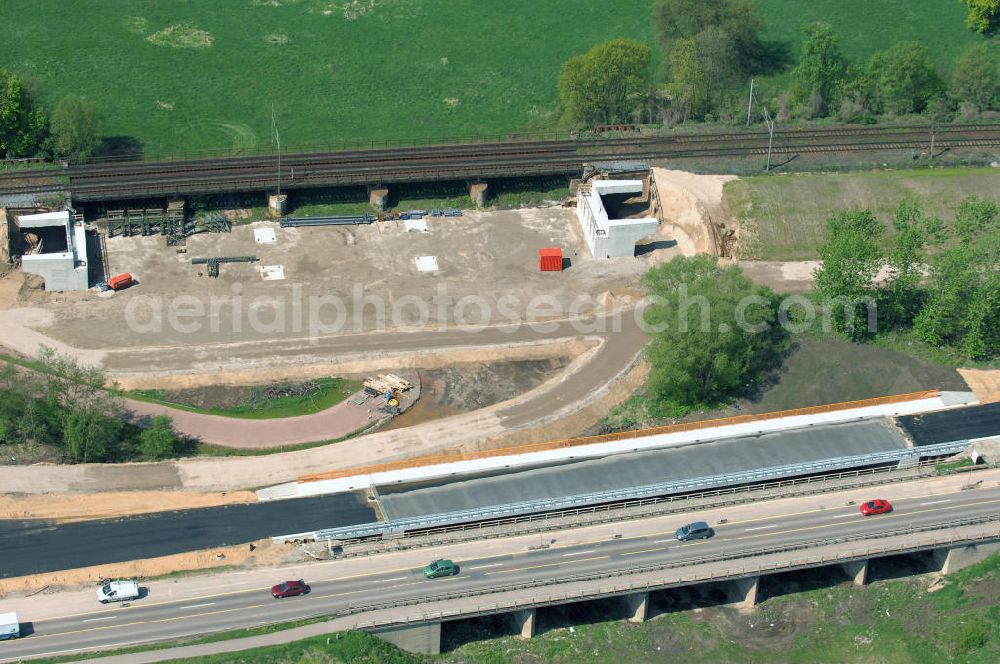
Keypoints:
(116, 181)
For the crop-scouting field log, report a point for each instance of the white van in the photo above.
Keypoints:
(118, 591)
(9, 627)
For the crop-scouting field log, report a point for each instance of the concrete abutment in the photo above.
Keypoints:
(744, 592)
(857, 570)
(378, 197)
(421, 639)
(637, 607)
(523, 622)
(955, 558)
(478, 192)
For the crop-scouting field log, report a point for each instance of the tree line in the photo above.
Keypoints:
(712, 48)
(60, 404)
(73, 129)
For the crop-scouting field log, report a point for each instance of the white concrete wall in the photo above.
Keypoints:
(62, 271)
(43, 220)
(611, 238)
(58, 270)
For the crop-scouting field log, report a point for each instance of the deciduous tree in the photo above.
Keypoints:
(852, 256)
(904, 77)
(75, 128)
(607, 84)
(717, 334)
(975, 79)
(159, 441)
(22, 127)
(984, 15)
(818, 77)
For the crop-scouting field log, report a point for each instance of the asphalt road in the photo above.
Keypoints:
(110, 627)
(30, 547)
(954, 424)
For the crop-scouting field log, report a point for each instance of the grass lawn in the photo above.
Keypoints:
(177, 75)
(181, 74)
(865, 27)
(331, 392)
(783, 218)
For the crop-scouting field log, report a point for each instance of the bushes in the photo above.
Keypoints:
(70, 408)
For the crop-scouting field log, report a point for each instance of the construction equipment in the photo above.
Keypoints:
(214, 262)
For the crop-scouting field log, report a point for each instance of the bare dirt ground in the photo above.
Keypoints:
(64, 507)
(465, 387)
(984, 382)
(690, 202)
(265, 553)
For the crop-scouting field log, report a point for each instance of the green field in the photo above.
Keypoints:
(867, 26)
(783, 218)
(179, 75)
(337, 71)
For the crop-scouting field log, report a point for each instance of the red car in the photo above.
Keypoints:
(877, 506)
(290, 589)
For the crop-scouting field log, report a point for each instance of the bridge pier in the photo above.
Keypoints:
(523, 621)
(637, 606)
(478, 192)
(421, 639)
(277, 204)
(857, 570)
(745, 594)
(378, 197)
(955, 558)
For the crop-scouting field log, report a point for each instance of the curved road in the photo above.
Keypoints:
(591, 375)
(228, 608)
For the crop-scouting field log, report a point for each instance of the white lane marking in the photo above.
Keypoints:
(485, 566)
(935, 502)
(663, 541)
(395, 578)
(96, 619)
(762, 527)
(842, 516)
(579, 553)
(196, 606)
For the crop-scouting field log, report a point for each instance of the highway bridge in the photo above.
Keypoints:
(953, 528)
(104, 182)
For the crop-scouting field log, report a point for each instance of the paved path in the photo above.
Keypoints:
(334, 422)
(587, 379)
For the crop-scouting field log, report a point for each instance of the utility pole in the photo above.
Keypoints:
(770, 138)
(275, 138)
(750, 102)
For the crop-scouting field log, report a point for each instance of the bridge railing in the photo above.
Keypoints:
(948, 539)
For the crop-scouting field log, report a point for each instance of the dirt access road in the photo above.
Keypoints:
(591, 377)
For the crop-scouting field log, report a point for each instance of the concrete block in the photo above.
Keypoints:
(420, 639)
(858, 570)
(524, 622)
(378, 198)
(745, 592)
(478, 192)
(638, 607)
(277, 204)
(955, 558)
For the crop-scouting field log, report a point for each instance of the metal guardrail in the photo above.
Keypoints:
(400, 526)
(643, 508)
(724, 575)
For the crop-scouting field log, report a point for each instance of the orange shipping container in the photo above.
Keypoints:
(550, 259)
(120, 281)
